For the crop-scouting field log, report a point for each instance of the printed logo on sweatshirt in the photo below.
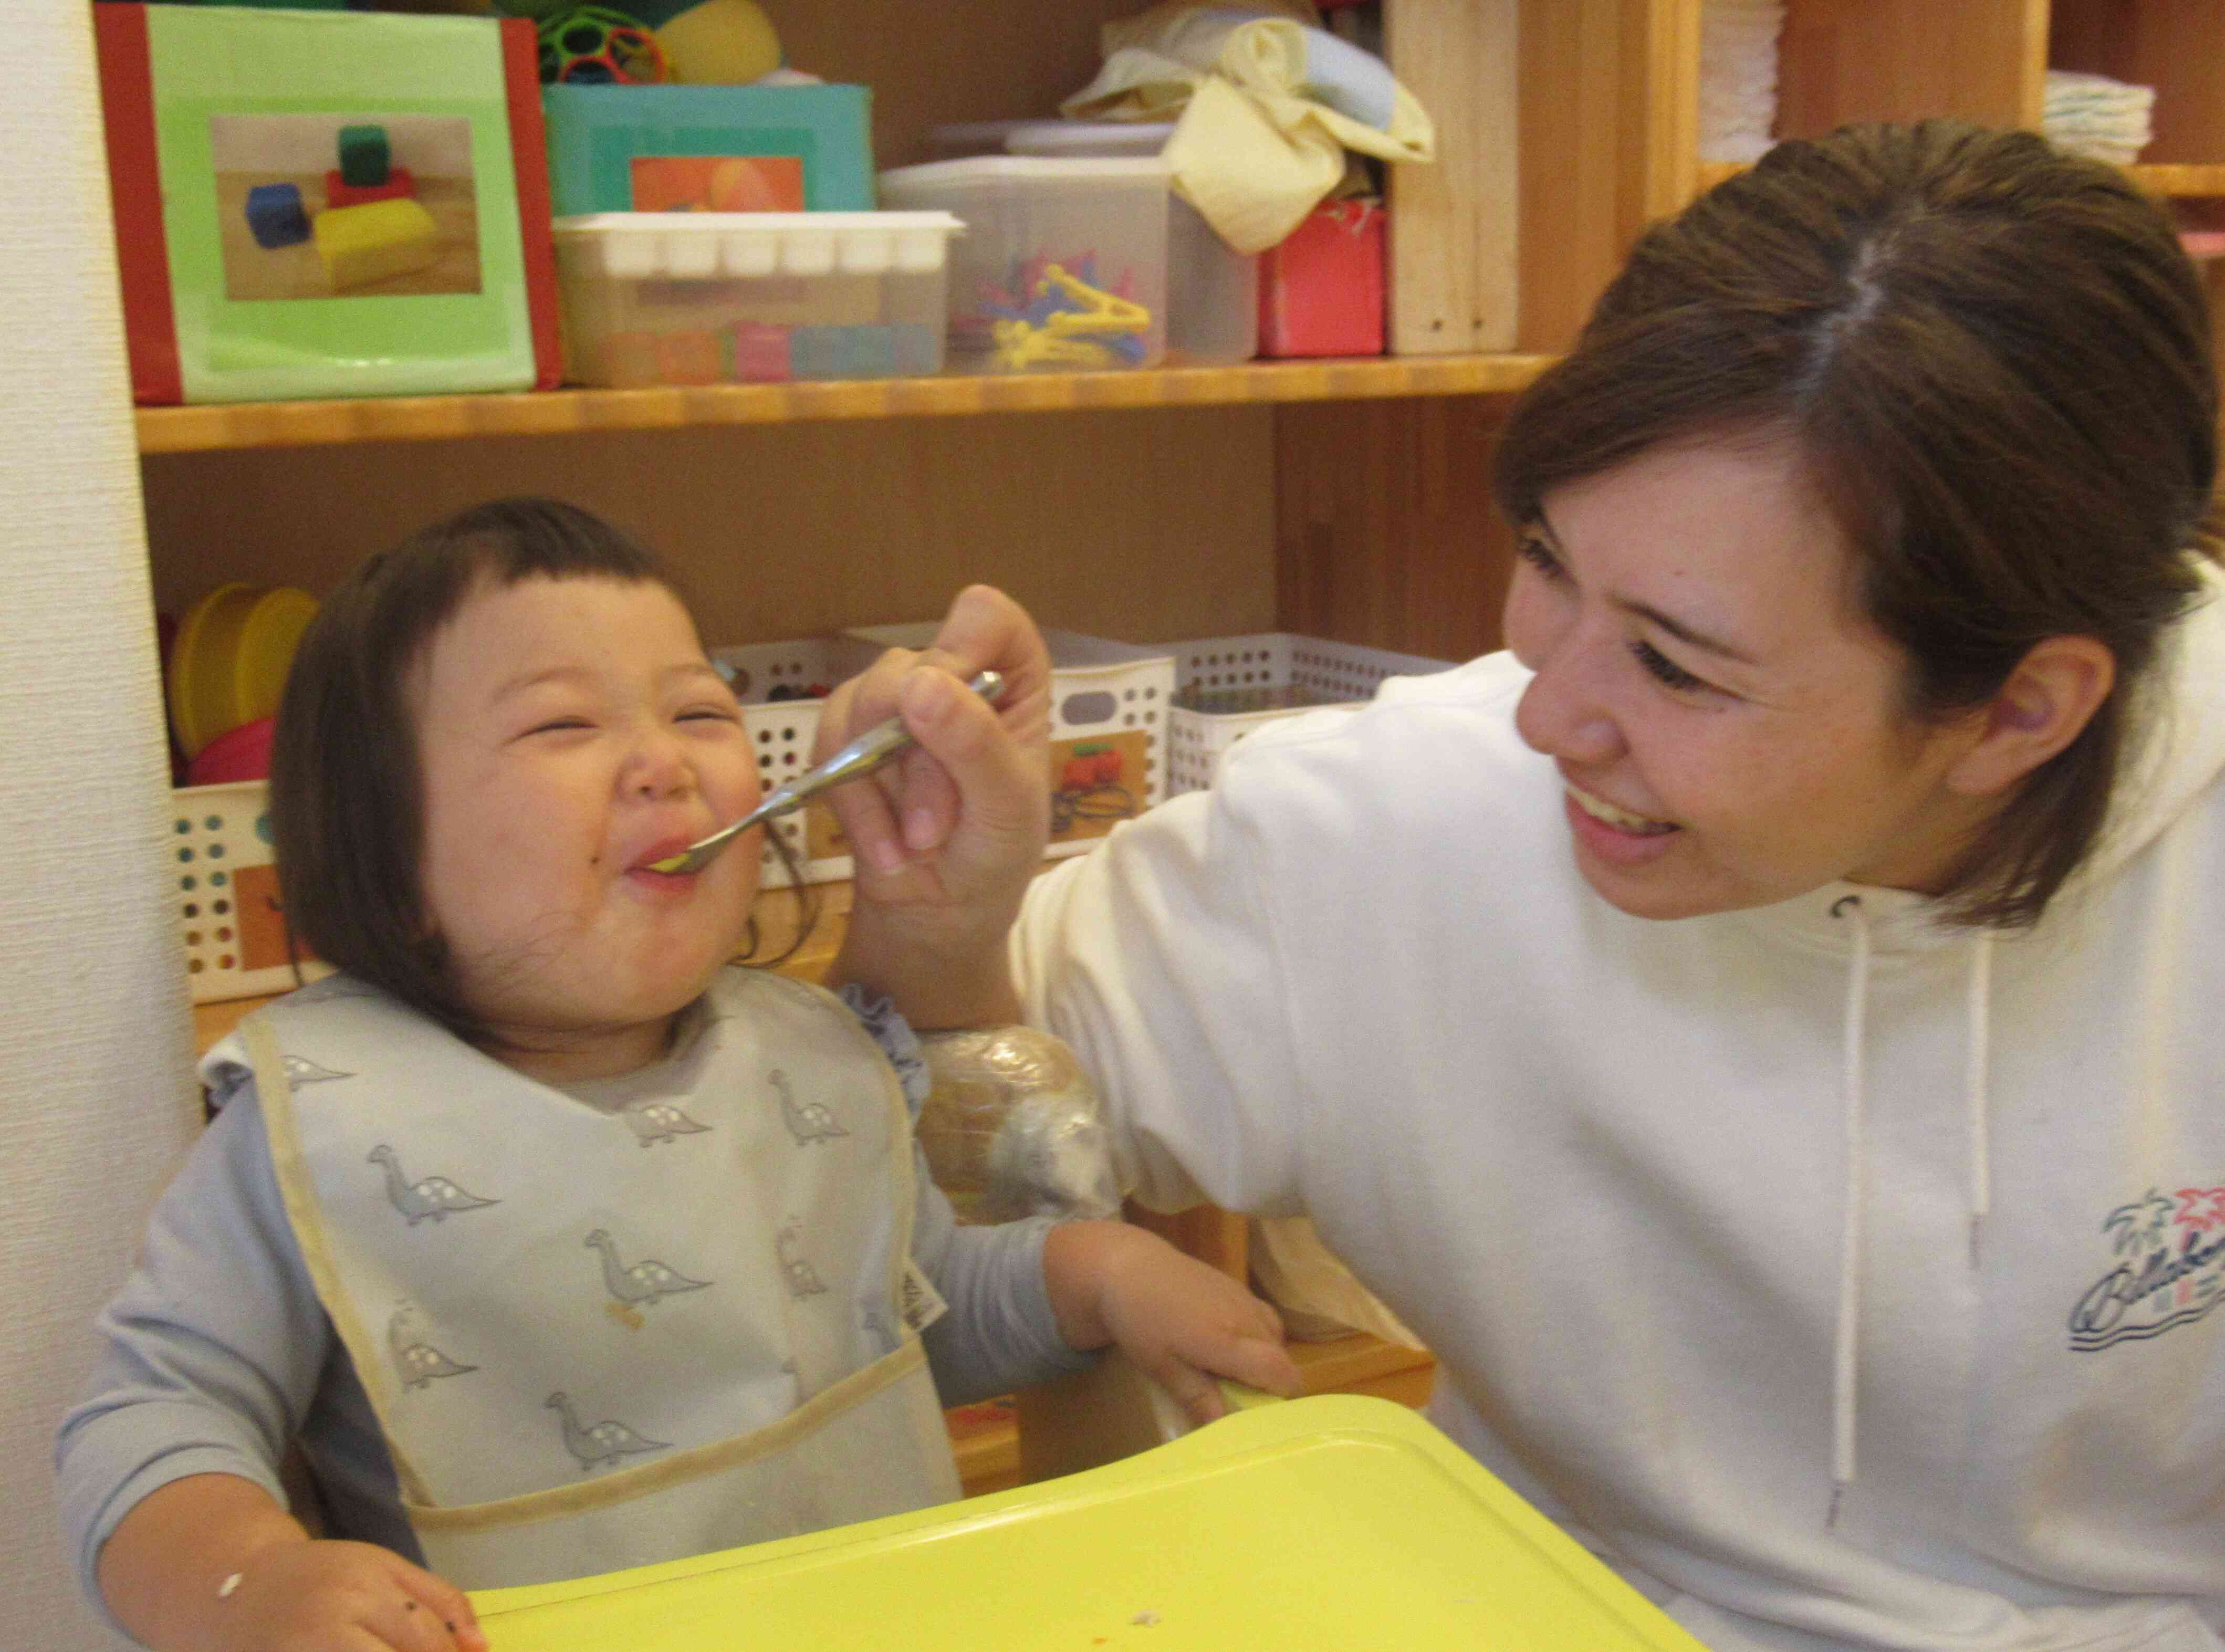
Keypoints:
(2169, 1269)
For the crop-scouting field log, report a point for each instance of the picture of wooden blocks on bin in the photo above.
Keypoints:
(345, 205)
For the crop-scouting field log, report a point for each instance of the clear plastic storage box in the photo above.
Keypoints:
(1213, 290)
(1063, 266)
(1228, 686)
(708, 298)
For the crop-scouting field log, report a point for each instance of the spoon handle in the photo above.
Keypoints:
(872, 749)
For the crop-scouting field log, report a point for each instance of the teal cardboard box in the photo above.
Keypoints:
(664, 149)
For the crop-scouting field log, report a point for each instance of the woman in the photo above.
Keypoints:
(1761, 1032)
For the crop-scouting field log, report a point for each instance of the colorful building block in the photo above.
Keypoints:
(364, 157)
(760, 353)
(362, 245)
(627, 360)
(690, 357)
(275, 216)
(399, 185)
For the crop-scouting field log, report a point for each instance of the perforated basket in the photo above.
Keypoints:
(1108, 713)
(227, 893)
(1227, 687)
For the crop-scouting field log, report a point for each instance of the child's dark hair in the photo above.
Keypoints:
(346, 790)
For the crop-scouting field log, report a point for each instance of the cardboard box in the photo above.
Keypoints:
(1320, 291)
(664, 149)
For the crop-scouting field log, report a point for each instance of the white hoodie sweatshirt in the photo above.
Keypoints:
(1844, 1278)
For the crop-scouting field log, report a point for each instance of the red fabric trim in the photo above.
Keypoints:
(135, 192)
(528, 149)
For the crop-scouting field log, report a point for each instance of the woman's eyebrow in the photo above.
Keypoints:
(1646, 611)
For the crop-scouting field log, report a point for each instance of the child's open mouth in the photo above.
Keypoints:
(645, 864)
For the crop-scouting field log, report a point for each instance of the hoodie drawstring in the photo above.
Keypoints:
(1977, 1082)
(1845, 1359)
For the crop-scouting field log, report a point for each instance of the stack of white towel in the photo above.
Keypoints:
(2098, 118)
(1738, 78)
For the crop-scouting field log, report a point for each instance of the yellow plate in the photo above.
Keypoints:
(229, 663)
(1337, 1523)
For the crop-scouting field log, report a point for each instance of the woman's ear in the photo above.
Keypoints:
(2048, 700)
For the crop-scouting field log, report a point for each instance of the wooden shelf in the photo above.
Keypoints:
(445, 418)
(2178, 182)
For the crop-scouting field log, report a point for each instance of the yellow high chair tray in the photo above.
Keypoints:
(1338, 1521)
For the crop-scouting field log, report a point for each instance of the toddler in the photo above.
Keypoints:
(556, 1242)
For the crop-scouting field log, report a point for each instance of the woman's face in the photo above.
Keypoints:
(571, 732)
(1724, 718)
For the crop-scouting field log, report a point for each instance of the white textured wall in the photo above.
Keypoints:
(95, 1038)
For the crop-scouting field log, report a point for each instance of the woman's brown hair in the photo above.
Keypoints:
(1994, 359)
(346, 791)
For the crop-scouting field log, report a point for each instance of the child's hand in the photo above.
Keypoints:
(1183, 1323)
(212, 1563)
(346, 1598)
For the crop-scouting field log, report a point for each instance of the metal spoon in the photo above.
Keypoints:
(877, 746)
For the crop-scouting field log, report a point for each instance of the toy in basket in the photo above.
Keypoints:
(1108, 718)
(1229, 686)
(227, 893)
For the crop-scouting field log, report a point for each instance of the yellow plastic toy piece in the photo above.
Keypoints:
(1064, 336)
(362, 245)
(720, 42)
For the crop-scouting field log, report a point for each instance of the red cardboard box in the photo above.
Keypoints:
(1320, 291)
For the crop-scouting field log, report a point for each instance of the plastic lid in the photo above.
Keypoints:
(1051, 137)
(1079, 138)
(700, 246)
(1023, 168)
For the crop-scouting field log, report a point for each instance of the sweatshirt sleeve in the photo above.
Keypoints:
(1154, 957)
(210, 1356)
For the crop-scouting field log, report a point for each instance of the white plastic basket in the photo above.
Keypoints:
(227, 893)
(1227, 687)
(1108, 725)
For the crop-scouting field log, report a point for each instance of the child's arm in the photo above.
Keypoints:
(1185, 1324)
(213, 1355)
(211, 1563)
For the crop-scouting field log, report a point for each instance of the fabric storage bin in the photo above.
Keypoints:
(705, 298)
(1108, 713)
(1227, 686)
(226, 894)
(1063, 265)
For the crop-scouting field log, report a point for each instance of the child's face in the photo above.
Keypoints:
(571, 732)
